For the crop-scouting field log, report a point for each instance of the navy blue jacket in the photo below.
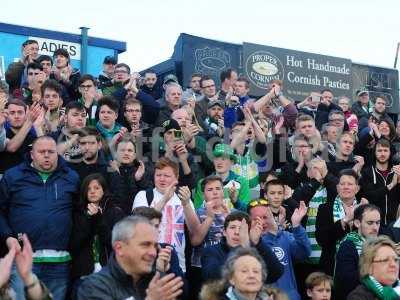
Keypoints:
(214, 257)
(41, 210)
(346, 270)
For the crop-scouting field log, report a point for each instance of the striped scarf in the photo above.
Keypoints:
(380, 291)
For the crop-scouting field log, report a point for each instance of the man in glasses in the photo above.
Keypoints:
(31, 89)
(289, 247)
(367, 221)
(89, 97)
(120, 77)
(209, 92)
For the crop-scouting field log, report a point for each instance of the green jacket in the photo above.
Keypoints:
(243, 197)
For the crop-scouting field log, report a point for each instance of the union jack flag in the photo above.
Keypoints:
(173, 225)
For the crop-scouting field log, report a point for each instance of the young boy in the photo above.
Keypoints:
(275, 195)
(319, 286)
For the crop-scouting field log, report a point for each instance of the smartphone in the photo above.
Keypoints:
(178, 134)
(20, 240)
(136, 163)
(315, 97)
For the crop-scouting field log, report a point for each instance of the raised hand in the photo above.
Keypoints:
(184, 195)
(140, 171)
(299, 214)
(93, 209)
(256, 231)
(168, 287)
(244, 234)
(163, 259)
(23, 259)
(5, 266)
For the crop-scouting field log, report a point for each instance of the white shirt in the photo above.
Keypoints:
(171, 230)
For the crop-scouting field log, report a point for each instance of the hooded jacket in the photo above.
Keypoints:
(374, 189)
(289, 248)
(214, 257)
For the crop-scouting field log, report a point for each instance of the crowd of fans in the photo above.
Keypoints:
(124, 186)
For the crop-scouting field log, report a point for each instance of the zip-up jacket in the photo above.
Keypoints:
(374, 189)
(41, 210)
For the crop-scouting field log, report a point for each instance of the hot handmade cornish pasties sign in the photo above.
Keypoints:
(300, 72)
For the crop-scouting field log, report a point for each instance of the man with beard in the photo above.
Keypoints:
(150, 86)
(93, 160)
(67, 136)
(379, 182)
(367, 221)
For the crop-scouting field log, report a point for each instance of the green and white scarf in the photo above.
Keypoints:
(380, 291)
(356, 239)
(338, 209)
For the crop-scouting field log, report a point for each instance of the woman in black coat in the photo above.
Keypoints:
(93, 220)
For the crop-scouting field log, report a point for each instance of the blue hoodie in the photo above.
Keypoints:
(289, 247)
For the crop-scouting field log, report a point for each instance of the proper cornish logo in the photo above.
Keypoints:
(212, 60)
(263, 67)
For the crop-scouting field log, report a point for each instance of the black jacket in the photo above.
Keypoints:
(327, 234)
(361, 293)
(113, 283)
(346, 270)
(323, 111)
(374, 189)
(83, 169)
(214, 257)
(124, 186)
(85, 228)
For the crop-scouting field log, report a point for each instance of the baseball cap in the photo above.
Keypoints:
(362, 92)
(169, 78)
(170, 124)
(215, 102)
(224, 150)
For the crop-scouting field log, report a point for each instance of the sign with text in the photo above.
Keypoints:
(301, 72)
(48, 46)
(208, 57)
(378, 81)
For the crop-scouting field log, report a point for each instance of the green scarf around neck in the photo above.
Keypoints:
(380, 291)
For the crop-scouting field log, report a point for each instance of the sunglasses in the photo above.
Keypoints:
(258, 202)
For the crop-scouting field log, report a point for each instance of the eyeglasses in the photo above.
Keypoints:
(395, 259)
(336, 120)
(258, 202)
(120, 72)
(302, 146)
